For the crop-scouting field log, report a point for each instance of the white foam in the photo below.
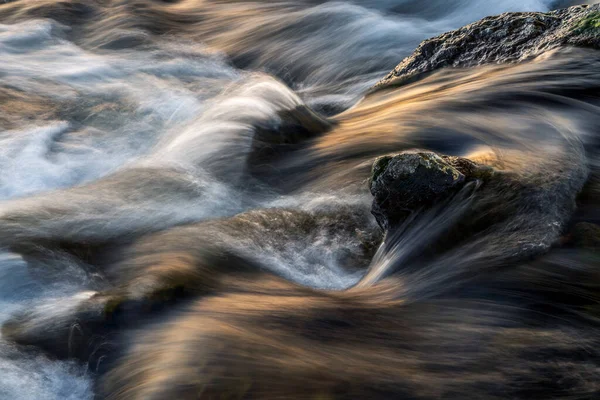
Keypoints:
(27, 374)
(119, 105)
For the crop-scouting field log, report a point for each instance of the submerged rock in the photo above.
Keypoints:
(586, 235)
(407, 182)
(505, 38)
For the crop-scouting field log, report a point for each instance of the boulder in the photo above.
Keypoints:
(406, 182)
(505, 38)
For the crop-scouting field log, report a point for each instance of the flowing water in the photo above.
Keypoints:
(120, 119)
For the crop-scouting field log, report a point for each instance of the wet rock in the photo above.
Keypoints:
(586, 235)
(470, 169)
(505, 38)
(407, 182)
(279, 136)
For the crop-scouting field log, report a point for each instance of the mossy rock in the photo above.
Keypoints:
(589, 24)
(407, 182)
(470, 169)
(502, 39)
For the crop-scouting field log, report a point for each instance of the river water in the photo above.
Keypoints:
(119, 118)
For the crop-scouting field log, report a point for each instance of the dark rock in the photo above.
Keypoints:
(407, 182)
(586, 235)
(506, 38)
(470, 169)
(277, 137)
(503, 216)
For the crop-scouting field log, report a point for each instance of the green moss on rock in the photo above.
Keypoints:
(591, 24)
